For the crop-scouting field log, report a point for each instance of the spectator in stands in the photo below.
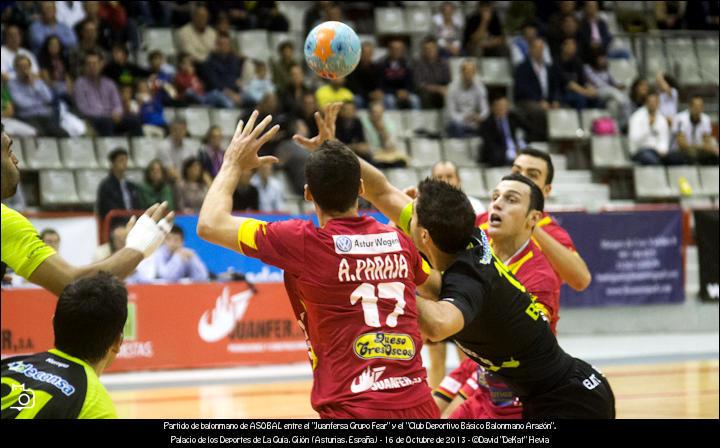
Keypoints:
(536, 90)
(121, 28)
(55, 67)
(193, 187)
(432, 75)
(120, 69)
(272, 19)
(197, 38)
(447, 171)
(114, 244)
(396, 80)
(520, 46)
(156, 188)
(447, 26)
(594, 31)
(333, 92)
(12, 48)
(669, 15)
(639, 91)
(315, 14)
(47, 25)
(692, 134)
(283, 64)
(609, 91)
(502, 135)
(223, 72)
(576, 91)
(238, 14)
(51, 237)
(649, 136)
(569, 29)
(555, 22)
(115, 191)
(151, 110)
(349, 130)
(364, 81)
(161, 78)
(382, 137)
(98, 100)
(12, 125)
(467, 103)
(69, 13)
(270, 105)
(89, 43)
(259, 85)
(704, 15)
(189, 87)
(174, 150)
(270, 190)
(292, 95)
(306, 113)
(174, 262)
(33, 100)
(246, 196)
(668, 94)
(213, 151)
(483, 35)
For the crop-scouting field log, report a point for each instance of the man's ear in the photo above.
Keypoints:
(361, 190)
(534, 217)
(546, 190)
(307, 194)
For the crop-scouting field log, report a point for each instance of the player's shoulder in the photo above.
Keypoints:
(551, 225)
(536, 269)
(481, 220)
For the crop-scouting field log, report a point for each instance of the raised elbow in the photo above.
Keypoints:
(204, 229)
(581, 283)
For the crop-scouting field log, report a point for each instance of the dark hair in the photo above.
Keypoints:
(532, 152)
(48, 231)
(537, 200)
(429, 39)
(44, 57)
(446, 213)
(154, 54)
(333, 176)
(187, 163)
(177, 231)
(117, 152)
(285, 44)
(89, 316)
(529, 23)
(148, 169)
(206, 137)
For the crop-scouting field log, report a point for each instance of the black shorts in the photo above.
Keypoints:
(585, 393)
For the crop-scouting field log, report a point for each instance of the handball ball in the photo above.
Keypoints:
(332, 50)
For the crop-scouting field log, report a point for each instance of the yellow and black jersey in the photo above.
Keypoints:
(22, 248)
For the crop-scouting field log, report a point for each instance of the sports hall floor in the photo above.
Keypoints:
(653, 376)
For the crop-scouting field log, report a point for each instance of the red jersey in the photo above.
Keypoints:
(352, 288)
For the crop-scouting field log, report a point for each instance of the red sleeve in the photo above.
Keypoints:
(481, 219)
(420, 267)
(280, 244)
(560, 235)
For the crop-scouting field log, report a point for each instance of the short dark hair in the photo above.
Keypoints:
(155, 54)
(285, 44)
(429, 39)
(48, 231)
(117, 152)
(89, 316)
(446, 213)
(532, 152)
(333, 176)
(537, 199)
(177, 230)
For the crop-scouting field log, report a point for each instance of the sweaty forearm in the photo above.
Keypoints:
(218, 201)
(568, 264)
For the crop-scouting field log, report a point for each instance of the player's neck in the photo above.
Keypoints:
(325, 217)
(506, 248)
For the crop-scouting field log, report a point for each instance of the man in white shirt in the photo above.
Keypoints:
(174, 150)
(467, 103)
(270, 190)
(197, 38)
(692, 134)
(69, 13)
(12, 49)
(649, 136)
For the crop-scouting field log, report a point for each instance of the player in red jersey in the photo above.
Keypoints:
(468, 392)
(554, 241)
(351, 281)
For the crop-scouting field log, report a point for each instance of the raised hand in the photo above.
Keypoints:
(247, 141)
(326, 128)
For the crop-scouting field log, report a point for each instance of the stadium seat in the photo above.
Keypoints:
(396, 118)
(707, 51)
(254, 44)
(475, 143)
(104, 145)
(58, 187)
(389, 21)
(288, 191)
(651, 182)
(42, 153)
(87, 182)
(78, 152)
(137, 176)
(402, 177)
(144, 150)
(496, 71)
(227, 119)
(623, 70)
(493, 176)
(295, 13)
(559, 160)
(590, 196)
(563, 124)
(608, 152)
(691, 176)
(572, 177)
(655, 58)
(472, 182)
(198, 120)
(710, 180)
(17, 149)
(457, 151)
(169, 114)
(292, 207)
(423, 120)
(159, 39)
(587, 118)
(454, 64)
(418, 19)
(424, 152)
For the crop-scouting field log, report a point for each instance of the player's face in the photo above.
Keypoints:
(417, 233)
(508, 211)
(173, 241)
(10, 172)
(52, 240)
(534, 169)
(446, 172)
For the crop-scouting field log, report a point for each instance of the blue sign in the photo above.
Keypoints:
(635, 257)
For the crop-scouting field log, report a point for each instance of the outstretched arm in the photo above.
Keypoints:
(216, 223)
(568, 264)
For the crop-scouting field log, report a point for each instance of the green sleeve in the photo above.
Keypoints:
(97, 400)
(22, 248)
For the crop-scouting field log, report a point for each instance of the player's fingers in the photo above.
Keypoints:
(250, 124)
(160, 212)
(319, 121)
(150, 211)
(261, 127)
(268, 160)
(268, 135)
(302, 141)
(130, 223)
(238, 130)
